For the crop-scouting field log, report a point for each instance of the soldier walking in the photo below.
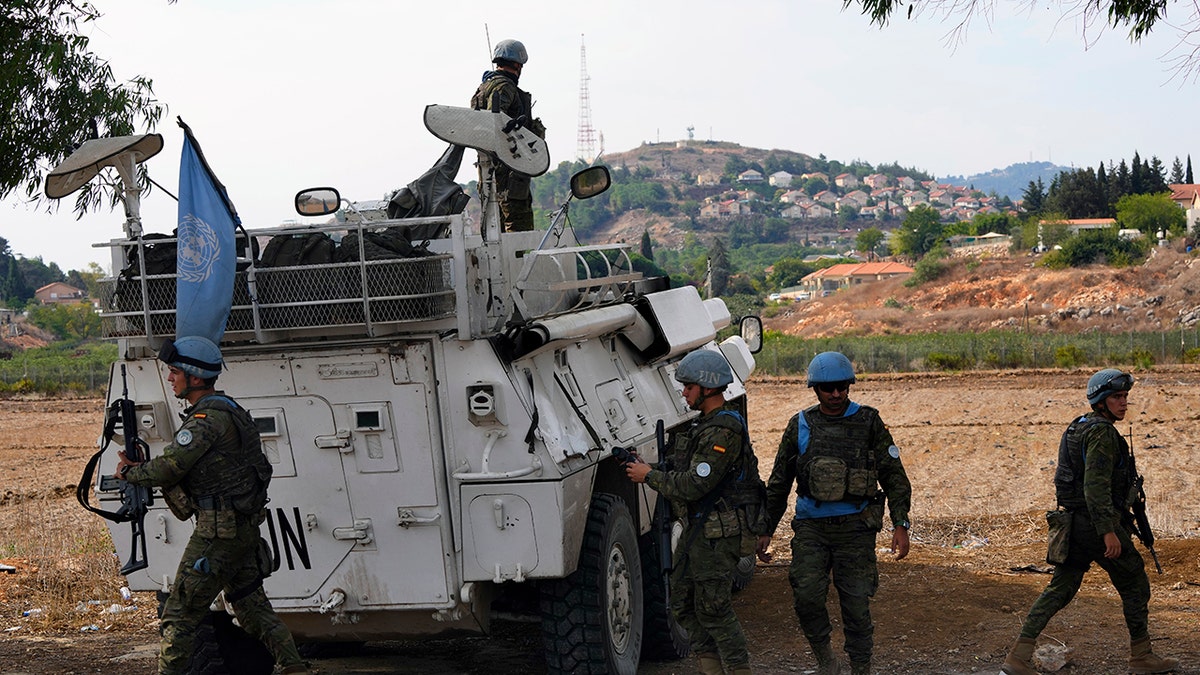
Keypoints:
(214, 470)
(1091, 483)
(837, 453)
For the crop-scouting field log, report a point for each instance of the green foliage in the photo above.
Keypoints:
(943, 361)
(69, 365)
(1096, 246)
(920, 231)
(1142, 358)
(1191, 355)
(928, 268)
(788, 272)
(892, 303)
(1069, 356)
(56, 92)
(1150, 213)
(67, 321)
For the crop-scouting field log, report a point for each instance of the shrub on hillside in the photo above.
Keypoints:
(928, 268)
(1096, 246)
(1069, 356)
(944, 361)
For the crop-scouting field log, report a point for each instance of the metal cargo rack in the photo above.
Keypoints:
(271, 304)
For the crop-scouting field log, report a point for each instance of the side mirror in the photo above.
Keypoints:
(590, 182)
(751, 330)
(318, 201)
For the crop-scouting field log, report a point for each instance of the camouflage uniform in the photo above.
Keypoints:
(499, 93)
(1092, 481)
(838, 537)
(214, 469)
(701, 593)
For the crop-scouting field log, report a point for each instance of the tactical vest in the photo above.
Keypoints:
(1068, 477)
(234, 469)
(742, 489)
(839, 462)
(522, 102)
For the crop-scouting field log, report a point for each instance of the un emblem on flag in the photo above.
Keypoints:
(198, 249)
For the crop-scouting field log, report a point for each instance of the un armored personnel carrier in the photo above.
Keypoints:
(441, 424)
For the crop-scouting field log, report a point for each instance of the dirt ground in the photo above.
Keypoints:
(979, 448)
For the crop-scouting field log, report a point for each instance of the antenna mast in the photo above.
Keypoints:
(585, 145)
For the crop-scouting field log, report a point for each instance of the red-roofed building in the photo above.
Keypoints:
(825, 281)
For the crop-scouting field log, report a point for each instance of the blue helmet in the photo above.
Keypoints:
(193, 355)
(704, 367)
(830, 367)
(1106, 383)
(510, 50)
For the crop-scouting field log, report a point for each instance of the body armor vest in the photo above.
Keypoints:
(1068, 477)
(522, 102)
(234, 468)
(838, 464)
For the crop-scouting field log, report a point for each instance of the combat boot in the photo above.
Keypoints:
(1020, 658)
(860, 668)
(709, 663)
(743, 669)
(827, 663)
(1143, 660)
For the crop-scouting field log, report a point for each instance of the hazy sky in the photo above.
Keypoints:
(287, 95)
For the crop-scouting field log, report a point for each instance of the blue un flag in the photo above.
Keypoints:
(207, 256)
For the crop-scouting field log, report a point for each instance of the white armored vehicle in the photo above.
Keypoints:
(440, 424)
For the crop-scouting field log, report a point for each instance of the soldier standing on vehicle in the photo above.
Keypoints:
(499, 93)
(214, 470)
(837, 453)
(716, 534)
(1091, 483)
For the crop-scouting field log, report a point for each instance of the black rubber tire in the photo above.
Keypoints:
(581, 631)
(663, 639)
(219, 643)
(744, 572)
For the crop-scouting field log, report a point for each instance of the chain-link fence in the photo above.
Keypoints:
(991, 350)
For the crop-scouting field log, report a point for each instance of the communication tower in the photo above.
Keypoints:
(585, 146)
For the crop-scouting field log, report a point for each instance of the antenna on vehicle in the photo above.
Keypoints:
(488, 37)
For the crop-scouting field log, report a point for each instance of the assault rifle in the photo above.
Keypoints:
(662, 510)
(1135, 501)
(135, 499)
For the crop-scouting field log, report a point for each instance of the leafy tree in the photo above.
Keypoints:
(56, 94)
(1140, 17)
(67, 321)
(1151, 213)
(919, 232)
(776, 230)
(788, 272)
(37, 273)
(1000, 223)
(846, 214)
(868, 239)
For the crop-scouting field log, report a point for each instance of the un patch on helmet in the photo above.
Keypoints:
(184, 437)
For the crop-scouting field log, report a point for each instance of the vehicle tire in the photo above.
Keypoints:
(592, 620)
(222, 648)
(743, 573)
(663, 639)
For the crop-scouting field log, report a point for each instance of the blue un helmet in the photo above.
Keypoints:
(830, 367)
(510, 50)
(704, 367)
(193, 355)
(1106, 383)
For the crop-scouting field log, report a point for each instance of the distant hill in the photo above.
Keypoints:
(1009, 182)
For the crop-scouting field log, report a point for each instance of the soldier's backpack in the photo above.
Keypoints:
(293, 250)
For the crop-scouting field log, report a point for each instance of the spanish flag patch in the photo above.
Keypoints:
(200, 416)
(719, 448)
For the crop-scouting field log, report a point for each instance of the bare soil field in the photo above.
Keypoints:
(980, 451)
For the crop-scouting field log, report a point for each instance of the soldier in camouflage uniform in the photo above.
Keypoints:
(499, 93)
(1092, 483)
(716, 534)
(837, 453)
(216, 471)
